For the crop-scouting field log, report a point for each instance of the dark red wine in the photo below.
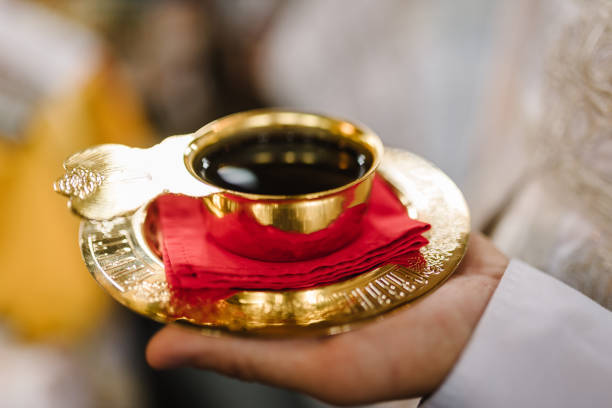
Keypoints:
(282, 162)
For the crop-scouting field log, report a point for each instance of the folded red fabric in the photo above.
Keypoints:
(194, 262)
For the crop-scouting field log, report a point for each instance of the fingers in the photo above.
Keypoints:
(332, 369)
(406, 354)
(176, 346)
(287, 363)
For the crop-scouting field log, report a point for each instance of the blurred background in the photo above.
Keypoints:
(510, 98)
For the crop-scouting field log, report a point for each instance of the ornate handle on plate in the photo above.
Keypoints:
(110, 180)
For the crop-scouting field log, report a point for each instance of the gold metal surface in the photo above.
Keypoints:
(299, 218)
(119, 258)
(236, 123)
(303, 216)
(107, 181)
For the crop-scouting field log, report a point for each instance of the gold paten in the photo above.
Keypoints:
(120, 259)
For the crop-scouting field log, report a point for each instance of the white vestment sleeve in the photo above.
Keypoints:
(539, 344)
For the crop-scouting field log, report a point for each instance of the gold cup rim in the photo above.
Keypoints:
(269, 118)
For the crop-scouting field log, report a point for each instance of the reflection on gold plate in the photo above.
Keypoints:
(122, 256)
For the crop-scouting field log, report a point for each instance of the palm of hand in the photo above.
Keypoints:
(405, 355)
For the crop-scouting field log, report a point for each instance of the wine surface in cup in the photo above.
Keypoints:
(282, 162)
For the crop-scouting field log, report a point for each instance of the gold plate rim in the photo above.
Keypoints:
(119, 259)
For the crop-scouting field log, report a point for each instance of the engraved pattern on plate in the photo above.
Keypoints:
(116, 256)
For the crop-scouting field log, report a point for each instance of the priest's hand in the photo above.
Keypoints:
(405, 355)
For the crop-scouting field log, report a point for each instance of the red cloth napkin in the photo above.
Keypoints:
(194, 262)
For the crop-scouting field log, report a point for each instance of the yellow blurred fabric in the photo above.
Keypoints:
(45, 289)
